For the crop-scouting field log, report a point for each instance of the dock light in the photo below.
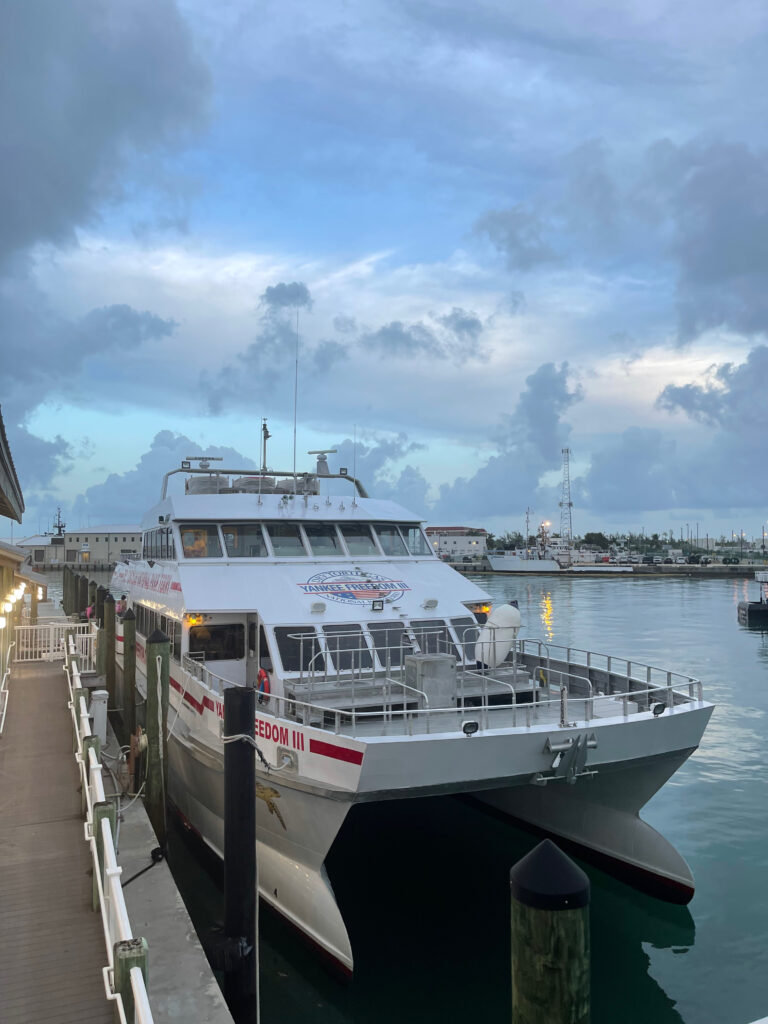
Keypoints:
(470, 727)
(194, 619)
(39, 593)
(7, 606)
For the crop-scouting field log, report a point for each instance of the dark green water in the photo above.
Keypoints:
(424, 885)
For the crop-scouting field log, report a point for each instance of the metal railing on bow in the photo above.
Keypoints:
(125, 972)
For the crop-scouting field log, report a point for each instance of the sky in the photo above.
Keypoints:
(490, 232)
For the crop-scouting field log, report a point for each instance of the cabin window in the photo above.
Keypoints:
(286, 540)
(200, 541)
(323, 539)
(299, 648)
(467, 631)
(433, 637)
(414, 538)
(347, 647)
(244, 540)
(218, 643)
(388, 639)
(391, 541)
(39, 555)
(359, 539)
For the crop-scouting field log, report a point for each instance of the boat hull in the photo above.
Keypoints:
(598, 819)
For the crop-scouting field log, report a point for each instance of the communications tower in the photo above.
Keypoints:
(566, 526)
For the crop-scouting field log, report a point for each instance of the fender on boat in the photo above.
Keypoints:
(497, 635)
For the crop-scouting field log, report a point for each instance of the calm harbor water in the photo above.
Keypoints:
(424, 884)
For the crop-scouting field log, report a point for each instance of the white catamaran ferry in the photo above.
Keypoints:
(383, 674)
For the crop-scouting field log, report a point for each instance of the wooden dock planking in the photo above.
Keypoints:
(51, 941)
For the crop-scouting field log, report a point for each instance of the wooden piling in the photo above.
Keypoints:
(101, 593)
(92, 587)
(240, 896)
(102, 809)
(82, 594)
(129, 673)
(158, 658)
(125, 955)
(109, 646)
(33, 605)
(550, 939)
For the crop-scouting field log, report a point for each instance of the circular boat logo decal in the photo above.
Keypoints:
(351, 586)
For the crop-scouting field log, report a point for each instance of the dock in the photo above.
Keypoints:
(64, 925)
(52, 941)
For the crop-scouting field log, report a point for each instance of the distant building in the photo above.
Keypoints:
(96, 545)
(456, 542)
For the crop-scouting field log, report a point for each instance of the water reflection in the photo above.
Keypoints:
(424, 888)
(547, 616)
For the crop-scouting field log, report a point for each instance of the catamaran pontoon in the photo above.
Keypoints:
(383, 676)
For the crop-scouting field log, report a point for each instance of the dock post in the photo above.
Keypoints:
(101, 593)
(129, 673)
(92, 587)
(33, 605)
(65, 589)
(126, 955)
(240, 895)
(158, 657)
(102, 809)
(82, 594)
(550, 939)
(109, 646)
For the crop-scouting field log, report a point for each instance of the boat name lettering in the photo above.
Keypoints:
(351, 586)
(147, 580)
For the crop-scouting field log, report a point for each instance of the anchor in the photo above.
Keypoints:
(570, 759)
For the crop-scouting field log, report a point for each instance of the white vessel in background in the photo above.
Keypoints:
(382, 676)
(550, 554)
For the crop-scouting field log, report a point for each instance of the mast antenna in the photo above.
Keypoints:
(566, 525)
(295, 398)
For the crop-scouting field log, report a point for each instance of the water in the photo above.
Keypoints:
(424, 884)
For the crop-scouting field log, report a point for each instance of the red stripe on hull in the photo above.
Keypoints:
(339, 753)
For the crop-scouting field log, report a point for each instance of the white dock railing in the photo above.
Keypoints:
(124, 976)
(47, 642)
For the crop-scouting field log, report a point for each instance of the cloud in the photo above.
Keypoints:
(88, 91)
(530, 439)
(126, 497)
(455, 336)
(733, 398)
(519, 234)
(287, 296)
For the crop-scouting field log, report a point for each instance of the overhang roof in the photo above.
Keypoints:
(11, 499)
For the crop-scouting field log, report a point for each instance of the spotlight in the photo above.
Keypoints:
(470, 727)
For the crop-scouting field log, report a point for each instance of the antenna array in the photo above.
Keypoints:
(566, 526)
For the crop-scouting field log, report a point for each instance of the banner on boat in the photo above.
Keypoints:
(351, 586)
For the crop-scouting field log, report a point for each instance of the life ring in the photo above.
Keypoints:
(262, 685)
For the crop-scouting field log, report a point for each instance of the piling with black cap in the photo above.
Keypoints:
(240, 896)
(158, 658)
(550, 939)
